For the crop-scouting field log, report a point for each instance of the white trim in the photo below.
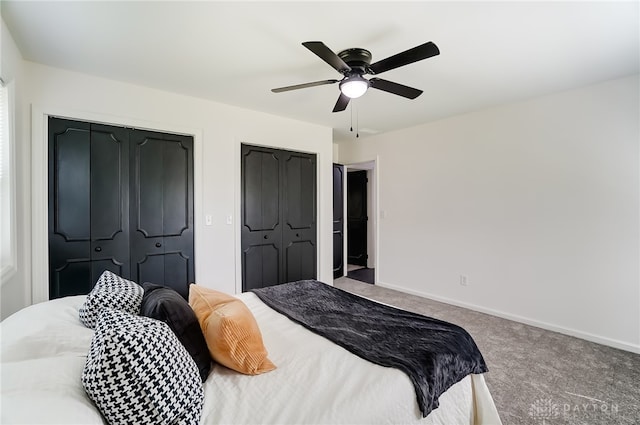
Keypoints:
(237, 207)
(9, 269)
(376, 210)
(634, 348)
(39, 195)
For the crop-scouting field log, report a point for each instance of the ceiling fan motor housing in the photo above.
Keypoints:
(357, 59)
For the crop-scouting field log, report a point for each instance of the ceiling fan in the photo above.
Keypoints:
(356, 62)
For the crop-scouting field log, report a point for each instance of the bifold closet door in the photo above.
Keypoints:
(120, 200)
(278, 209)
(298, 216)
(162, 209)
(88, 205)
(261, 225)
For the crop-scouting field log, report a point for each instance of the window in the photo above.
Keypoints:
(7, 192)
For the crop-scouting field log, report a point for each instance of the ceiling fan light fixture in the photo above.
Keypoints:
(354, 86)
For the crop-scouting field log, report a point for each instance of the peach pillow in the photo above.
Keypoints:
(232, 334)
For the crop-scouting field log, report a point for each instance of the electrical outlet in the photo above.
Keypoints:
(464, 279)
(208, 220)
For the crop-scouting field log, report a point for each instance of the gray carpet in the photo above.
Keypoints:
(537, 376)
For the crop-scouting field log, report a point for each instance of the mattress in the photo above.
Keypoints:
(44, 349)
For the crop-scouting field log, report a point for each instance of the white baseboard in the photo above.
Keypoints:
(634, 348)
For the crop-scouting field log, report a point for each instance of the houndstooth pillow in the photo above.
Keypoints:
(138, 372)
(110, 291)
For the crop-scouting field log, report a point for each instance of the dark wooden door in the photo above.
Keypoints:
(278, 216)
(260, 211)
(161, 212)
(357, 217)
(338, 221)
(298, 214)
(119, 200)
(88, 207)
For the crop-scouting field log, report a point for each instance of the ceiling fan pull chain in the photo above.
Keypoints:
(351, 111)
(357, 124)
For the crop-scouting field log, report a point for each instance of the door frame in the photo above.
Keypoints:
(373, 203)
(38, 291)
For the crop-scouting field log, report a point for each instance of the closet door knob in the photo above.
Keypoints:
(158, 244)
(98, 249)
(266, 236)
(297, 235)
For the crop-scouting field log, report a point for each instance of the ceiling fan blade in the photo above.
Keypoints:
(303, 86)
(395, 88)
(342, 103)
(327, 55)
(416, 54)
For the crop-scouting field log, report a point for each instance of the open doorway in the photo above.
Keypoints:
(361, 214)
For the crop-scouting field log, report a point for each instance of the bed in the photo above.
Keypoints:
(44, 350)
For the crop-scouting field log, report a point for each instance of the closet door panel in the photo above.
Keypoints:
(72, 278)
(261, 222)
(108, 190)
(175, 206)
(162, 209)
(69, 208)
(109, 200)
(150, 268)
(146, 210)
(176, 271)
(261, 266)
(71, 180)
(300, 261)
(261, 190)
(178, 212)
(99, 266)
(299, 216)
(148, 186)
(299, 191)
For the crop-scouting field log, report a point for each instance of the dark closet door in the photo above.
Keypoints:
(161, 210)
(278, 216)
(260, 211)
(357, 217)
(298, 216)
(338, 221)
(88, 205)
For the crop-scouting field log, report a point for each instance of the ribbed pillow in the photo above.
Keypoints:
(165, 304)
(231, 331)
(137, 372)
(110, 291)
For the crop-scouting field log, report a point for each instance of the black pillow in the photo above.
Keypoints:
(165, 304)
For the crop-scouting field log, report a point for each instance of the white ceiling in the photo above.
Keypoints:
(235, 52)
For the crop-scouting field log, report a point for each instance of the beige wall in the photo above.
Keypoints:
(536, 202)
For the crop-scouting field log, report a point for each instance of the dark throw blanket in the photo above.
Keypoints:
(435, 354)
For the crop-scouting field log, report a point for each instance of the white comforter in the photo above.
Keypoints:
(44, 349)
